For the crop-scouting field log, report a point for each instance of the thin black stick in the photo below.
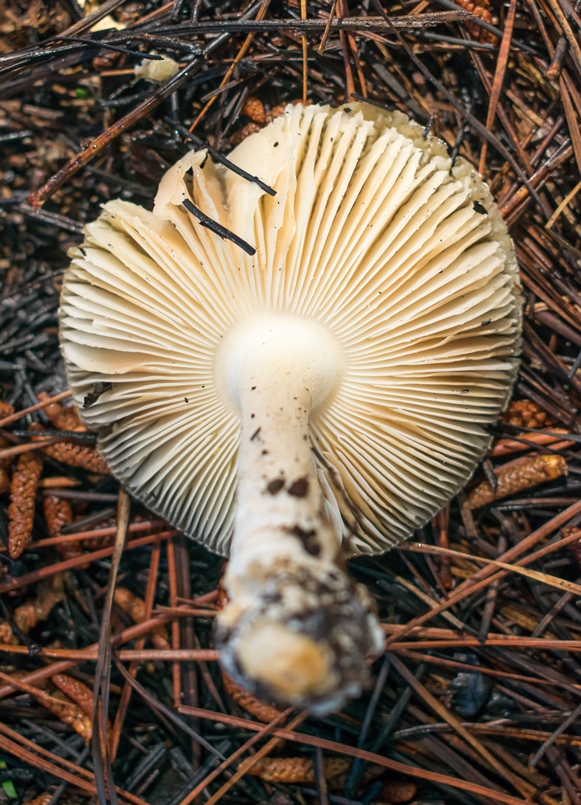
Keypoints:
(217, 228)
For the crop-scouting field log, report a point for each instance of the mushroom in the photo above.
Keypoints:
(294, 377)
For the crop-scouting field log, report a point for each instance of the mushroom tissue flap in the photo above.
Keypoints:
(375, 238)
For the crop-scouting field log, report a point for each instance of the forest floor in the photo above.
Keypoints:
(477, 698)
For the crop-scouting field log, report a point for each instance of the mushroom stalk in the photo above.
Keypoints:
(296, 626)
(285, 366)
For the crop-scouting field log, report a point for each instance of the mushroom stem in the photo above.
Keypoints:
(296, 627)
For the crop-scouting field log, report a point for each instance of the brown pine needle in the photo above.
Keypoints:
(287, 734)
(485, 576)
(8, 420)
(263, 730)
(499, 74)
(544, 578)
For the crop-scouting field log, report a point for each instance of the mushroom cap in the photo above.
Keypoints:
(374, 233)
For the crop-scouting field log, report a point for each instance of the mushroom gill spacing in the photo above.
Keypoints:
(373, 233)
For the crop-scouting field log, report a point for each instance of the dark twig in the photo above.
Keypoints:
(217, 228)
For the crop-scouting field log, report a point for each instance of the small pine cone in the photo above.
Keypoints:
(7, 636)
(134, 606)
(69, 713)
(96, 543)
(4, 481)
(4, 467)
(480, 9)
(240, 135)
(59, 705)
(78, 455)
(574, 547)
(6, 409)
(296, 769)
(58, 513)
(22, 502)
(43, 799)
(279, 110)
(527, 414)
(105, 62)
(75, 690)
(254, 109)
(160, 641)
(518, 476)
(480, 34)
(27, 615)
(259, 710)
(398, 792)
(75, 455)
(61, 416)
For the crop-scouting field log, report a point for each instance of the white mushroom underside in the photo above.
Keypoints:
(370, 233)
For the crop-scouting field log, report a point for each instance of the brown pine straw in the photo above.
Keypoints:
(130, 655)
(43, 697)
(500, 72)
(545, 578)
(102, 684)
(485, 576)
(18, 449)
(78, 561)
(239, 56)
(110, 531)
(175, 627)
(571, 538)
(139, 644)
(342, 749)
(506, 446)
(446, 715)
(417, 656)
(263, 731)
(183, 611)
(125, 636)
(505, 641)
(40, 758)
(8, 420)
